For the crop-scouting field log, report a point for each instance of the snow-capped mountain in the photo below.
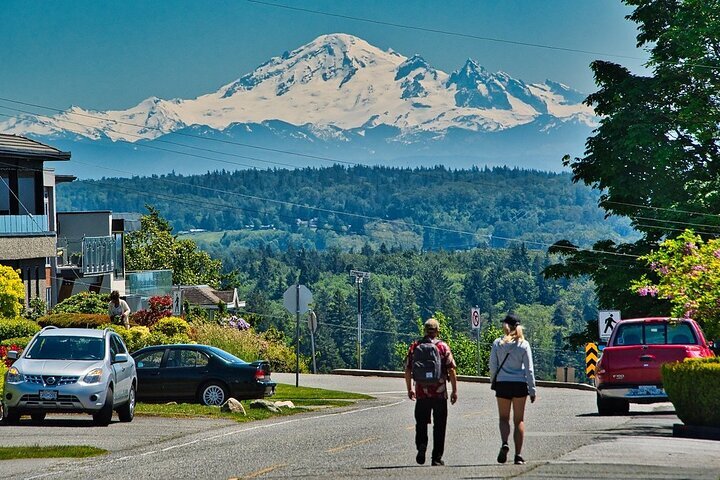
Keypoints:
(336, 88)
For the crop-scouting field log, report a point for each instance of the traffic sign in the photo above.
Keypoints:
(475, 319)
(177, 301)
(607, 319)
(295, 304)
(591, 357)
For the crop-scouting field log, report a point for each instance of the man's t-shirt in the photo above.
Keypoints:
(433, 390)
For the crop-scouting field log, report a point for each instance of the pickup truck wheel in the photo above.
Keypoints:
(104, 416)
(126, 412)
(605, 406)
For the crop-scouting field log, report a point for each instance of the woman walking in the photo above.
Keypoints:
(511, 368)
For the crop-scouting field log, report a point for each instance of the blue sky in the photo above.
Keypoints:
(111, 55)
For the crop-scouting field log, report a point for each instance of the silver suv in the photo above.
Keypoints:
(71, 370)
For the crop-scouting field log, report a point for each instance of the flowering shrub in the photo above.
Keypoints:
(236, 322)
(688, 270)
(158, 307)
(3, 354)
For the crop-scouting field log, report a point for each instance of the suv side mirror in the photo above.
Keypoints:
(12, 355)
(120, 358)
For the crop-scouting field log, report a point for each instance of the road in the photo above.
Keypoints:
(374, 439)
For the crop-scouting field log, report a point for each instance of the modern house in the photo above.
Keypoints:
(27, 212)
(91, 252)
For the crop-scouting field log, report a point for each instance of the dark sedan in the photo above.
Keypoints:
(200, 373)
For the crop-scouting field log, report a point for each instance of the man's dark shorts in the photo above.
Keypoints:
(510, 390)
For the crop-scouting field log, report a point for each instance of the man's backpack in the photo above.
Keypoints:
(426, 363)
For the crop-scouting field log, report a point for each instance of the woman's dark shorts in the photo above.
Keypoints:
(510, 390)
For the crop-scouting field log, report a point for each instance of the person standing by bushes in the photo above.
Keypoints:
(511, 368)
(118, 308)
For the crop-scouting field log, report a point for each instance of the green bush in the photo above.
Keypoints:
(16, 341)
(159, 338)
(172, 326)
(73, 320)
(83, 302)
(694, 389)
(3, 369)
(250, 346)
(19, 327)
(135, 338)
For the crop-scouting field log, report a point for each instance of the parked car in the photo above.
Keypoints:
(201, 373)
(71, 370)
(628, 370)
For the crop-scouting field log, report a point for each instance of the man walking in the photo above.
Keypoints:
(430, 363)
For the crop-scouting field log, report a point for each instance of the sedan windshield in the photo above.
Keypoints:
(67, 348)
(228, 357)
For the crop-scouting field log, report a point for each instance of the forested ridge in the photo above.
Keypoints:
(346, 207)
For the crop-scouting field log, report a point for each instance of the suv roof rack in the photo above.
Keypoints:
(49, 327)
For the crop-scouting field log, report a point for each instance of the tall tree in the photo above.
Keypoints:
(655, 154)
(153, 247)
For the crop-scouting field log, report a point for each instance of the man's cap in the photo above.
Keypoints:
(432, 324)
(512, 320)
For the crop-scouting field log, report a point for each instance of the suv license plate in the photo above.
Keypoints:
(48, 394)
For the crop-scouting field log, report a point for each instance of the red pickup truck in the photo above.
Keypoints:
(629, 367)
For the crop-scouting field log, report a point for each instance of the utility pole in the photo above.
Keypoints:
(359, 276)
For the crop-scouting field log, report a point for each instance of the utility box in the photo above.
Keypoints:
(565, 374)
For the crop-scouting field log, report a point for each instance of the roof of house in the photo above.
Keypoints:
(15, 145)
(206, 296)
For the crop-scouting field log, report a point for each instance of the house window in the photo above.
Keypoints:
(4, 194)
(26, 193)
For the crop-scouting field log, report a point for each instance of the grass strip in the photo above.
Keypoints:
(300, 396)
(56, 451)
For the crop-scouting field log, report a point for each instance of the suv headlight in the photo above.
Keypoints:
(14, 376)
(93, 376)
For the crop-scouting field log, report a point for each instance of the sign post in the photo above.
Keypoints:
(591, 356)
(607, 319)
(312, 325)
(297, 299)
(475, 324)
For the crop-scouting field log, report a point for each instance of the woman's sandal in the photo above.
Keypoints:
(502, 456)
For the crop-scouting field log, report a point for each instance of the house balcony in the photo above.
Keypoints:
(23, 224)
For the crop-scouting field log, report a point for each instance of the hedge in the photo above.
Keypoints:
(21, 342)
(694, 389)
(13, 328)
(73, 320)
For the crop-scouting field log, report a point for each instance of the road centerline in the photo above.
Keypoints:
(350, 445)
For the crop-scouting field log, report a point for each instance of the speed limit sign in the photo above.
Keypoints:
(475, 320)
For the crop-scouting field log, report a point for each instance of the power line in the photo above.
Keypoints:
(440, 31)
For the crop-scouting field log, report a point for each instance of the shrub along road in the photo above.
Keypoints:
(374, 439)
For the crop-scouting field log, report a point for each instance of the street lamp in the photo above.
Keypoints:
(359, 276)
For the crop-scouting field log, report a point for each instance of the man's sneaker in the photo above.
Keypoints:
(519, 460)
(502, 456)
(420, 457)
(437, 462)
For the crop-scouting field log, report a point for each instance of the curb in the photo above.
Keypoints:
(461, 378)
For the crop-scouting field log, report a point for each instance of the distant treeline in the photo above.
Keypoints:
(428, 208)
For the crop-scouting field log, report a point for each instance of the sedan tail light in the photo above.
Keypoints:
(259, 374)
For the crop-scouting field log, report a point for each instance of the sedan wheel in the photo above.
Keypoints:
(213, 394)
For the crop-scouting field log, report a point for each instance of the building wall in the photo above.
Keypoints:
(27, 247)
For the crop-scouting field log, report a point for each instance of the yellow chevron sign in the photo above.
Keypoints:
(591, 357)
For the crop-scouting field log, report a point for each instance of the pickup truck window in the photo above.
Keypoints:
(679, 333)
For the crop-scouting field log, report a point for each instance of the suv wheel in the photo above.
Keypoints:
(10, 416)
(126, 412)
(37, 417)
(104, 416)
(213, 394)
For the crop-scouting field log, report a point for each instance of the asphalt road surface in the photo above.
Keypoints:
(374, 439)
